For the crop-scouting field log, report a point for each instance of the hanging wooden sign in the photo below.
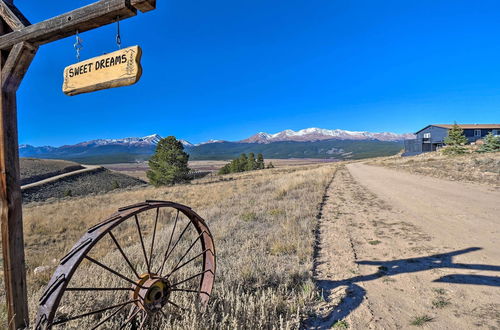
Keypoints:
(120, 68)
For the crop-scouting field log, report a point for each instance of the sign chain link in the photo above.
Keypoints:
(118, 35)
(78, 45)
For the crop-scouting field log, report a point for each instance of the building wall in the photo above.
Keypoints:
(437, 134)
(469, 134)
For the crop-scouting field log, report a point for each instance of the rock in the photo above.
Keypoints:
(41, 269)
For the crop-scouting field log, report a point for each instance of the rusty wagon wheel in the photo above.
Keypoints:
(146, 263)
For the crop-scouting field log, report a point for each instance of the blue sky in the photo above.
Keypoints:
(227, 69)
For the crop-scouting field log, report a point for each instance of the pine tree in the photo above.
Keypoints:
(226, 169)
(242, 163)
(235, 165)
(455, 141)
(491, 143)
(169, 164)
(251, 162)
(260, 162)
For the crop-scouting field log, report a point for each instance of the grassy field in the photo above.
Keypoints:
(470, 167)
(263, 224)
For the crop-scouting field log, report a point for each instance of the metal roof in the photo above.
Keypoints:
(470, 126)
(464, 126)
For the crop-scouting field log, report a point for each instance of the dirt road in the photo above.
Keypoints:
(398, 250)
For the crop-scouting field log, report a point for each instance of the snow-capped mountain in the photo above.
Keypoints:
(132, 141)
(317, 134)
(209, 141)
(186, 143)
(131, 147)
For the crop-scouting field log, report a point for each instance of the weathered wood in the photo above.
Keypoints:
(83, 19)
(120, 68)
(12, 16)
(144, 5)
(16, 65)
(11, 214)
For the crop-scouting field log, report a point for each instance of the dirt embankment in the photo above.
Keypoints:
(471, 167)
(33, 170)
(398, 250)
(98, 180)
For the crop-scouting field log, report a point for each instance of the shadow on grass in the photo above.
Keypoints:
(389, 268)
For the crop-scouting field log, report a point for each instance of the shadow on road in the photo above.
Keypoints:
(395, 267)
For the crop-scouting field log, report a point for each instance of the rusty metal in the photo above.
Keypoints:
(148, 293)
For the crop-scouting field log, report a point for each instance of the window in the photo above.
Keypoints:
(427, 135)
(477, 132)
(495, 132)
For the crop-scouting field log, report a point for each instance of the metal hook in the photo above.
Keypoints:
(78, 45)
(118, 36)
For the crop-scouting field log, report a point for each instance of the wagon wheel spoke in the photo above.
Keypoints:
(109, 269)
(130, 318)
(185, 253)
(169, 243)
(123, 254)
(153, 238)
(177, 267)
(143, 323)
(91, 313)
(99, 289)
(190, 278)
(142, 243)
(108, 317)
(175, 305)
(192, 291)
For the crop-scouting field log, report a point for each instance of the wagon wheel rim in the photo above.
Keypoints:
(149, 289)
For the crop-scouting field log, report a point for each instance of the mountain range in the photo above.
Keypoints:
(305, 143)
(318, 134)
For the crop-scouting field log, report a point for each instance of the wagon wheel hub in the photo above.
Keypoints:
(151, 292)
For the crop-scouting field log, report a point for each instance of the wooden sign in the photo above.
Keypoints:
(120, 68)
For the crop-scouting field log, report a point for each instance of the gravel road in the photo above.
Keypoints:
(398, 250)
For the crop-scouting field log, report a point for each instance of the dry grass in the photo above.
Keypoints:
(471, 167)
(263, 226)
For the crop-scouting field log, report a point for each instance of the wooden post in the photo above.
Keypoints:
(11, 214)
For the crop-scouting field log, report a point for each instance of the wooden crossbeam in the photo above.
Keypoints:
(144, 5)
(83, 19)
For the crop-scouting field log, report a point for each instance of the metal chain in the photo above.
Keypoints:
(118, 36)
(78, 45)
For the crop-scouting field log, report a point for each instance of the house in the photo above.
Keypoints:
(431, 137)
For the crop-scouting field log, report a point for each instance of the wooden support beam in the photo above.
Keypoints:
(83, 19)
(11, 214)
(12, 16)
(16, 65)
